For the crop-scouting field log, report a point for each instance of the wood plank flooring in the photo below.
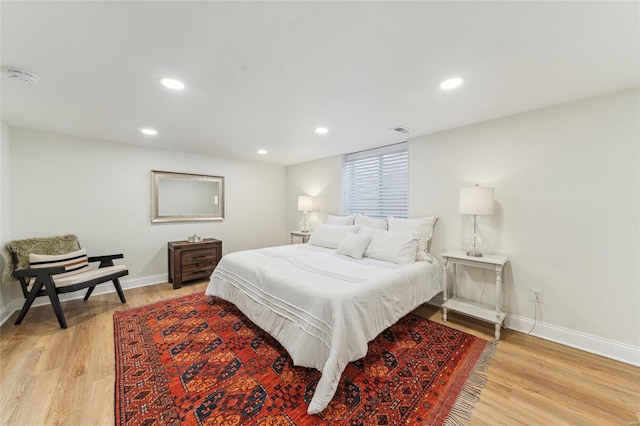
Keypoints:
(50, 376)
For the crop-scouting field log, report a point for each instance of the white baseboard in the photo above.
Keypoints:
(16, 304)
(596, 345)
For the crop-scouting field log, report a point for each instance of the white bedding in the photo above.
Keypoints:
(321, 306)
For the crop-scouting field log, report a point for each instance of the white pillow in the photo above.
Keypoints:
(340, 220)
(330, 236)
(370, 222)
(353, 245)
(396, 247)
(421, 225)
(74, 263)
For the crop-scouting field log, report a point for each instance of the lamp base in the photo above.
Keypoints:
(474, 254)
(304, 224)
(473, 241)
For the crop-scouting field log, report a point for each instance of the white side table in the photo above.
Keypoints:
(300, 234)
(482, 312)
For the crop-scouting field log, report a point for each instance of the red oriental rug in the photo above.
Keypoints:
(197, 360)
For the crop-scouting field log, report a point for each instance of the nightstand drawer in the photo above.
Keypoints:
(186, 269)
(196, 274)
(199, 256)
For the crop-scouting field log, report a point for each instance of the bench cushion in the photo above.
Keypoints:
(88, 275)
(83, 276)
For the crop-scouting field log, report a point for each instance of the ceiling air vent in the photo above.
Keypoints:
(402, 129)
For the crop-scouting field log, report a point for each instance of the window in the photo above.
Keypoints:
(375, 181)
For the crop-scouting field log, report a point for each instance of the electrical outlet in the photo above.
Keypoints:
(536, 295)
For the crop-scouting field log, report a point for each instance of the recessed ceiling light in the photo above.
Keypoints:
(321, 130)
(451, 83)
(173, 84)
(263, 152)
(149, 132)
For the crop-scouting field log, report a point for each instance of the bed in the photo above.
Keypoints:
(321, 306)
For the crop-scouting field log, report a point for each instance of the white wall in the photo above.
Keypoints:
(568, 205)
(9, 294)
(100, 191)
(567, 213)
(322, 179)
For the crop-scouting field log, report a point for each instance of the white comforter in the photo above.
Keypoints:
(322, 307)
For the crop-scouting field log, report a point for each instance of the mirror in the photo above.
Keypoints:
(184, 197)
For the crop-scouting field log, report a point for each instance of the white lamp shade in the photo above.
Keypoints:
(476, 200)
(305, 203)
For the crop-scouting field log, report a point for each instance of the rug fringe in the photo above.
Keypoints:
(461, 411)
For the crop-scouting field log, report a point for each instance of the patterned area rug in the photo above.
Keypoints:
(196, 360)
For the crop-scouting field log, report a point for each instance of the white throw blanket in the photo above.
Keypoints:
(322, 307)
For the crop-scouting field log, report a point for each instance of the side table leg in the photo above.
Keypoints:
(444, 289)
(498, 290)
(498, 299)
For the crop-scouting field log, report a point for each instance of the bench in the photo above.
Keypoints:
(51, 266)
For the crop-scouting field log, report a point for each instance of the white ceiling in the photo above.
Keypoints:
(266, 74)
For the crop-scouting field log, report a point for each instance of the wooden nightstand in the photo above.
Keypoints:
(490, 314)
(192, 261)
(300, 234)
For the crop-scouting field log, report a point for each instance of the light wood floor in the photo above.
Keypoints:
(51, 376)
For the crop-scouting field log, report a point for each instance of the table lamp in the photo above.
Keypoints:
(475, 201)
(305, 205)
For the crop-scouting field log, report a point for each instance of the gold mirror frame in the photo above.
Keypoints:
(158, 177)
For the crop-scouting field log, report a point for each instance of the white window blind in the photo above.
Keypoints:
(375, 181)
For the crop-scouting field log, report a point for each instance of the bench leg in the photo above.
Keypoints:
(27, 303)
(55, 302)
(116, 284)
(86, 296)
